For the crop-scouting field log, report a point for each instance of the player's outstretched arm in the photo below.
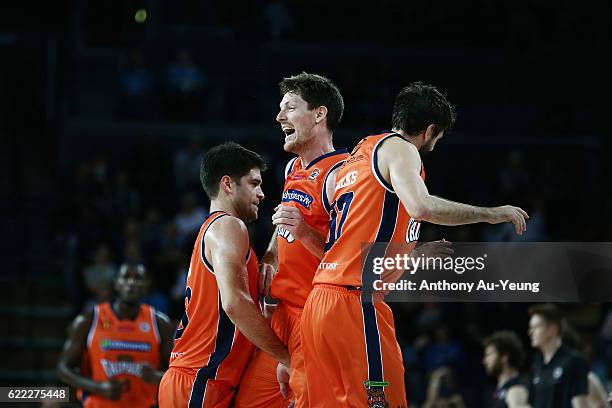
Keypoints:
(228, 241)
(400, 164)
(166, 334)
(69, 364)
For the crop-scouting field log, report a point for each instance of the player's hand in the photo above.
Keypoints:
(111, 389)
(148, 373)
(266, 273)
(509, 213)
(282, 375)
(434, 249)
(291, 219)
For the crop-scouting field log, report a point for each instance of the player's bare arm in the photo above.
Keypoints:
(68, 367)
(166, 334)
(227, 242)
(517, 397)
(400, 164)
(580, 401)
(271, 255)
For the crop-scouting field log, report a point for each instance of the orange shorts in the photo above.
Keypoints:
(178, 389)
(258, 387)
(352, 357)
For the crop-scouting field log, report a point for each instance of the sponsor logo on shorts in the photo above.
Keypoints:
(120, 345)
(299, 197)
(376, 394)
(330, 266)
(115, 368)
(176, 354)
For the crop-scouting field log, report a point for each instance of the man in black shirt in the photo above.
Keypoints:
(503, 355)
(558, 374)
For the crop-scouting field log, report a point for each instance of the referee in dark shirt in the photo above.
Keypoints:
(559, 373)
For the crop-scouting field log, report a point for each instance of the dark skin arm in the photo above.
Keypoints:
(166, 333)
(68, 368)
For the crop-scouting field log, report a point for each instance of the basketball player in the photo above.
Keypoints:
(503, 356)
(351, 355)
(222, 323)
(310, 110)
(559, 375)
(117, 353)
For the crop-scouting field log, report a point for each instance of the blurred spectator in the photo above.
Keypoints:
(443, 352)
(189, 219)
(187, 161)
(185, 83)
(279, 19)
(99, 275)
(442, 391)
(137, 91)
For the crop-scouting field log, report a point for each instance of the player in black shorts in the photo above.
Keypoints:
(559, 373)
(503, 356)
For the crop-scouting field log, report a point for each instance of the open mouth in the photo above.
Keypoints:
(288, 131)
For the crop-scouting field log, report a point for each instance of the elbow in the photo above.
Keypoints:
(418, 211)
(233, 308)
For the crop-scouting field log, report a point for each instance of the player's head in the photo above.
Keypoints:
(232, 173)
(502, 349)
(311, 105)
(130, 282)
(545, 324)
(422, 111)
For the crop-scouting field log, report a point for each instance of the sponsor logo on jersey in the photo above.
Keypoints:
(314, 174)
(299, 197)
(115, 368)
(347, 180)
(145, 327)
(106, 324)
(557, 373)
(328, 265)
(285, 234)
(412, 233)
(120, 345)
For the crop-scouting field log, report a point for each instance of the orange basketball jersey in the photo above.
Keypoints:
(207, 344)
(117, 349)
(365, 210)
(304, 189)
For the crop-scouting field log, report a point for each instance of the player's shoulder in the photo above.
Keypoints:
(82, 322)
(227, 228)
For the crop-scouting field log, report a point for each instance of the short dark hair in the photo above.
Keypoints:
(507, 343)
(227, 159)
(419, 105)
(550, 313)
(316, 90)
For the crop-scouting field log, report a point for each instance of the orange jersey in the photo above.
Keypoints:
(207, 344)
(365, 210)
(117, 349)
(304, 189)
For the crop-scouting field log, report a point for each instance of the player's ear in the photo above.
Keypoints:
(321, 114)
(431, 132)
(225, 184)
